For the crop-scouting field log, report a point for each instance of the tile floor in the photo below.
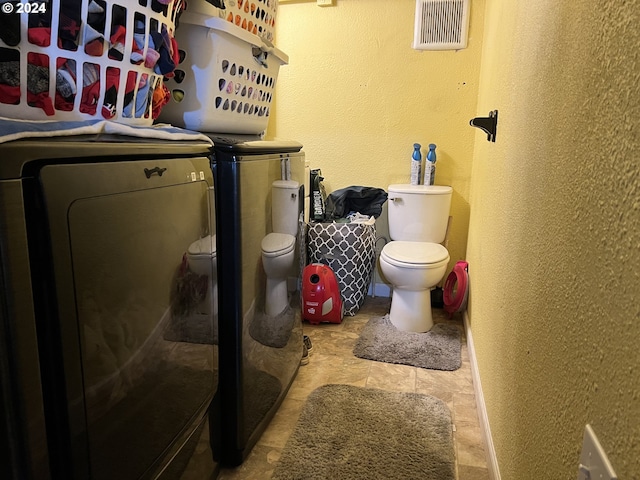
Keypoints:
(332, 361)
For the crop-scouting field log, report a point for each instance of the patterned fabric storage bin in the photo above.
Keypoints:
(349, 249)
(225, 80)
(75, 60)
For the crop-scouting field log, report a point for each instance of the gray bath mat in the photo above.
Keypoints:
(353, 433)
(273, 331)
(437, 349)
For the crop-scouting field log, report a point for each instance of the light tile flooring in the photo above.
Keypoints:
(332, 361)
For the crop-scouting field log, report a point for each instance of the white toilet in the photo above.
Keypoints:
(278, 248)
(201, 256)
(414, 261)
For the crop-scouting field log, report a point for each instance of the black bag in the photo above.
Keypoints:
(318, 196)
(364, 200)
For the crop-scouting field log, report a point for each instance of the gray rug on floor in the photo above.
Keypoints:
(273, 331)
(437, 349)
(354, 433)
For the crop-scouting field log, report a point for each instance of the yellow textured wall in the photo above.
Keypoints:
(357, 96)
(554, 235)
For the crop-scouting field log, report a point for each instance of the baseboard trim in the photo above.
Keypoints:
(379, 290)
(492, 460)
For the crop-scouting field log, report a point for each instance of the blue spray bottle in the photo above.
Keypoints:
(430, 165)
(416, 163)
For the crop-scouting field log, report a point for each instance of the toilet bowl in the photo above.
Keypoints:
(278, 247)
(201, 256)
(413, 268)
(277, 260)
(414, 261)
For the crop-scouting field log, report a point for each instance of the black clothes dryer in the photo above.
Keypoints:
(108, 359)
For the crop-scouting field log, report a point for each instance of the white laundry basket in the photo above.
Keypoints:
(92, 59)
(225, 80)
(255, 16)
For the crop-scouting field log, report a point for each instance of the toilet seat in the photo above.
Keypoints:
(276, 244)
(205, 247)
(414, 254)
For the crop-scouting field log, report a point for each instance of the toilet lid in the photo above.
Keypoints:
(275, 244)
(204, 246)
(414, 253)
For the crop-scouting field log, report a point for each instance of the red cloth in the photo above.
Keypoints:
(38, 59)
(90, 96)
(62, 104)
(10, 95)
(89, 102)
(117, 43)
(68, 31)
(39, 36)
(112, 80)
(94, 47)
(42, 100)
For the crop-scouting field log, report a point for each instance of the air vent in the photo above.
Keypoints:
(441, 24)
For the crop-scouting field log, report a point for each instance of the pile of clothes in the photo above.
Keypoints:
(156, 49)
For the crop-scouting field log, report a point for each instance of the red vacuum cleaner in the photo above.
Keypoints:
(321, 300)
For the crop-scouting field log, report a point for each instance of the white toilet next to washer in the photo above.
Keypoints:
(415, 261)
(278, 248)
(201, 256)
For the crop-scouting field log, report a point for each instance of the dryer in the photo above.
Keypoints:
(107, 370)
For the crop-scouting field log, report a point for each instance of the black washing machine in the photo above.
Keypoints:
(259, 353)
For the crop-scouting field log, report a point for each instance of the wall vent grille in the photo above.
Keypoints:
(441, 24)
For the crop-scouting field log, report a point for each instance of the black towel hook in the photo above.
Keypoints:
(488, 124)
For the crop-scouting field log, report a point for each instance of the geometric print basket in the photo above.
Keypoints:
(349, 250)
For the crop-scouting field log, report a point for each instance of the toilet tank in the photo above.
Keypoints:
(419, 213)
(285, 206)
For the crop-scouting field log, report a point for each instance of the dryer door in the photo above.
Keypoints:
(139, 326)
